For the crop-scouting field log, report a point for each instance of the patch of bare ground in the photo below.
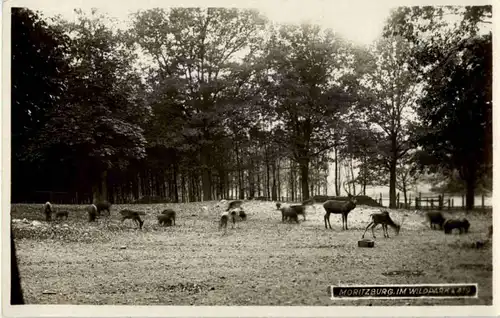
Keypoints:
(261, 262)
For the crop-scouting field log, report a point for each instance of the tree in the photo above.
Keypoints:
(38, 67)
(304, 92)
(389, 88)
(97, 125)
(198, 48)
(455, 63)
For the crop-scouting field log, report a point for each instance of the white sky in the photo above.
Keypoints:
(360, 21)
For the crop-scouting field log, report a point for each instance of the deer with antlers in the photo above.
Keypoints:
(385, 219)
(339, 207)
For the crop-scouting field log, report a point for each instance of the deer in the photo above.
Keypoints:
(435, 218)
(339, 207)
(450, 224)
(103, 206)
(223, 221)
(170, 214)
(290, 213)
(47, 210)
(133, 215)
(234, 205)
(164, 220)
(92, 212)
(382, 218)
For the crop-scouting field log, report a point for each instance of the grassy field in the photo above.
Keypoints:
(261, 262)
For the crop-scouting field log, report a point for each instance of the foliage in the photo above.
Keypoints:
(303, 90)
(38, 67)
(386, 93)
(455, 63)
(97, 126)
(192, 80)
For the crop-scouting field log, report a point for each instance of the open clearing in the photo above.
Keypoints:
(261, 262)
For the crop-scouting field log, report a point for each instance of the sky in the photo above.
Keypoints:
(360, 21)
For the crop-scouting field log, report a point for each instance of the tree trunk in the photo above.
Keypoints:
(470, 186)
(392, 185)
(268, 178)
(292, 182)
(337, 183)
(176, 188)
(279, 179)
(205, 175)
(104, 185)
(274, 193)
(304, 178)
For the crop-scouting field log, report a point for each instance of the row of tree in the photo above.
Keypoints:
(196, 104)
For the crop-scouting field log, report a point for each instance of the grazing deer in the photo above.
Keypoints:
(47, 210)
(242, 215)
(290, 213)
(435, 218)
(339, 207)
(164, 220)
(384, 219)
(223, 221)
(234, 205)
(170, 214)
(62, 214)
(92, 212)
(132, 215)
(103, 206)
(450, 224)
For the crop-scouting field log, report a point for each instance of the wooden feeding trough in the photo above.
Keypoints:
(366, 243)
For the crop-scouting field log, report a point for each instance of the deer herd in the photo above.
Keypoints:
(233, 211)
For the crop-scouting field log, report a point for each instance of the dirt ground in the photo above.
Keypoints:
(261, 262)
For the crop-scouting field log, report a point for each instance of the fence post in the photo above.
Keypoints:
(452, 202)
(463, 202)
(432, 203)
(449, 203)
(440, 201)
(380, 199)
(482, 201)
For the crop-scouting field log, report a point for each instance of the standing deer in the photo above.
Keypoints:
(435, 218)
(339, 207)
(92, 212)
(47, 210)
(170, 214)
(223, 221)
(290, 213)
(103, 206)
(132, 215)
(384, 219)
